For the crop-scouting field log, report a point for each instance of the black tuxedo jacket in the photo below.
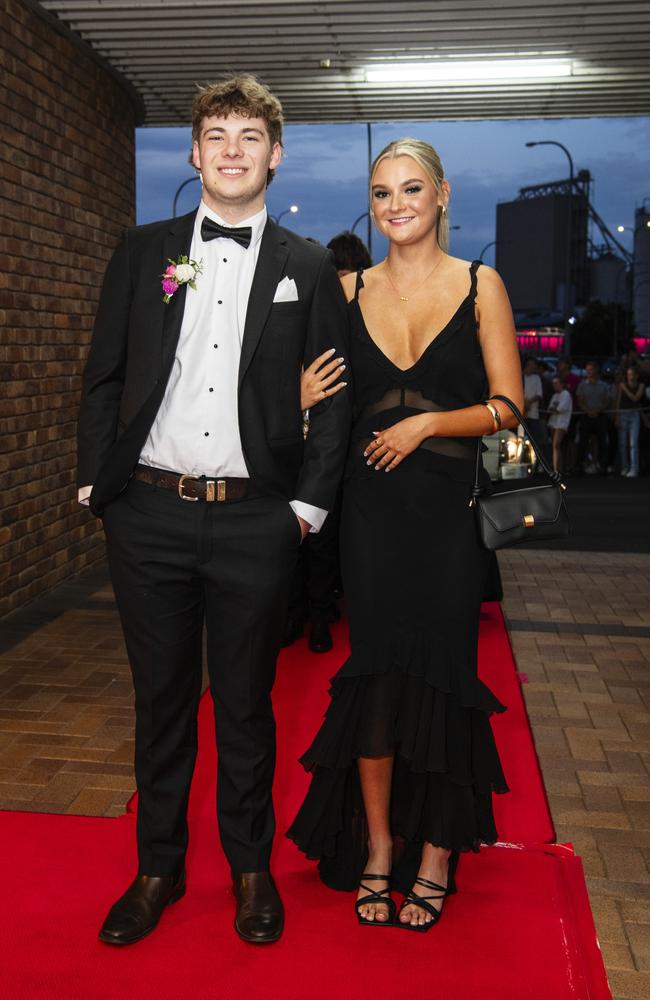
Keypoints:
(134, 344)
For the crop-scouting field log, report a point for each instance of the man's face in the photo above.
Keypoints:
(592, 373)
(234, 155)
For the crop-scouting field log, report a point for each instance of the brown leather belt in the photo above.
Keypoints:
(196, 487)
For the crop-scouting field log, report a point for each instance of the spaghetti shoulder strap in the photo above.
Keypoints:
(359, 284)
(474, 266)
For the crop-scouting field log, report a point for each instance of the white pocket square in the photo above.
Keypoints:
(286, 291)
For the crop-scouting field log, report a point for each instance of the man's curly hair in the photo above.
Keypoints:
(240, 95)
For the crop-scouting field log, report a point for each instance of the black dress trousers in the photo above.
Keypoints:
(176, 565)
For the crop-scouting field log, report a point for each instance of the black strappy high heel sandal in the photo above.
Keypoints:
(383, 896)
(412, 898)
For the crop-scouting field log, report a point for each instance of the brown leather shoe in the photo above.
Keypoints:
(260, 915)
(138, 911)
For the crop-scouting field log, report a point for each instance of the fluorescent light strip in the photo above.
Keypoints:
(435, 72)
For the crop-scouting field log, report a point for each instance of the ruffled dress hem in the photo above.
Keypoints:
(446, 767)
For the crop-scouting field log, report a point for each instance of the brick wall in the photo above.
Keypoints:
(67, 184)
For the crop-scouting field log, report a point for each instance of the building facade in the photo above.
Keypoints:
(67, 165)
(541, 249)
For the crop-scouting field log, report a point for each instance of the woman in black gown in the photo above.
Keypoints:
(405, 764)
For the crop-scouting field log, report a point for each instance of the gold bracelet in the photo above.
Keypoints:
(496, 416)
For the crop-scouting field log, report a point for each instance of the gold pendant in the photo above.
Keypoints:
(404, 298)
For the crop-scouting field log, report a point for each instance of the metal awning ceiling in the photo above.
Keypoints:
(165, 47)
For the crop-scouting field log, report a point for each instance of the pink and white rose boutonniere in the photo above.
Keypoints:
(180, 272)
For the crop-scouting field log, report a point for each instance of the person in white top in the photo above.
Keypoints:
(560, 410)
(191, 450)
(532, 398)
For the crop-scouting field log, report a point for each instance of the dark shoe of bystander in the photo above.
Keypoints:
(320, 637)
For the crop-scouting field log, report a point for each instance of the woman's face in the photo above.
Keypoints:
(632, 376)
(404, 201)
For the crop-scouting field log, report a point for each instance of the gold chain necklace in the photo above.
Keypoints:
(405, 298)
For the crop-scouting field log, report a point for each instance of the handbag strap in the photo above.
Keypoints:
(554, 476)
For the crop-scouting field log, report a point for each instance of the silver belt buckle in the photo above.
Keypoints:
(181, 494)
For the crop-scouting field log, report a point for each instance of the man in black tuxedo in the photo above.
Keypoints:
(191, 450)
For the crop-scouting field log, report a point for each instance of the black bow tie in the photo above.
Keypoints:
(211, 230)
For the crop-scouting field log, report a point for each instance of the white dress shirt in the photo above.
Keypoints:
(196, 429)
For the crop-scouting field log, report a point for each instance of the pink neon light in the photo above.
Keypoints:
(539, 343)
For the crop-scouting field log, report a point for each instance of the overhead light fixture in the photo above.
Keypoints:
(462, 70)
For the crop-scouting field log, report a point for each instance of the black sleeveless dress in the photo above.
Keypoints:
(414, 573)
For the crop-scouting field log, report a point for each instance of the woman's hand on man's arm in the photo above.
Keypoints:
(320, 379)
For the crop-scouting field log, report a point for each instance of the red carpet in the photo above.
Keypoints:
(519, 927)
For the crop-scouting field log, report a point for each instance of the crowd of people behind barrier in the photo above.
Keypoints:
(591, 423)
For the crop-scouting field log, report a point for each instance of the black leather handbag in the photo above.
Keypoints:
(523, 514)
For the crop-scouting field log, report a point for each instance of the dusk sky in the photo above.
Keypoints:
(325, 171)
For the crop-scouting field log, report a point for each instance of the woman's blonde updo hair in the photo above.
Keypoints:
(428, 159)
